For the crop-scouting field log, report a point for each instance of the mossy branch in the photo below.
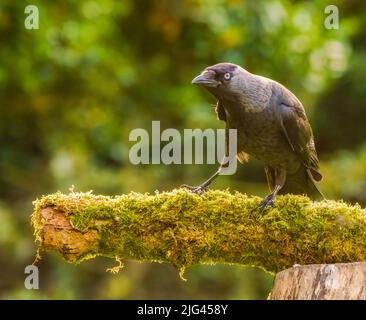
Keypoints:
(185, 229)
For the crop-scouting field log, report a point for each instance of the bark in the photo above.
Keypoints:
(58, 234)
(340, 281)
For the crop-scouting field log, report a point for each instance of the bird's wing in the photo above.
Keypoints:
(296, 127)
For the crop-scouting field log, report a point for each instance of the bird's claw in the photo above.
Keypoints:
(267, 201)
(196, 189)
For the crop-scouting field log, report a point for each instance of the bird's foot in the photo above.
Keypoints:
(201, 189)
(267, 201)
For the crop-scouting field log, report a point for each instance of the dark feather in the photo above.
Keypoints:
(220, 111)
(270, 174)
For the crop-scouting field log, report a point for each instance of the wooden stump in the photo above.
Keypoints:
(340, 281)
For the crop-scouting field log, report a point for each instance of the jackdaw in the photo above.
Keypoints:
(271, 126)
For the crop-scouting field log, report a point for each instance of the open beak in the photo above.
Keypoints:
(207, 78)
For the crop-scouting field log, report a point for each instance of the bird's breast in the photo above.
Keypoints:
(259, 135)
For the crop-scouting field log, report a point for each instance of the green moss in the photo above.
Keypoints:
(184, 229)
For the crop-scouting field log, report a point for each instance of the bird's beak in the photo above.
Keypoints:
(207, 78)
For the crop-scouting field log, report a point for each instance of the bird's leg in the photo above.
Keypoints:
(269, 200)
(202, 188)
(280, 178)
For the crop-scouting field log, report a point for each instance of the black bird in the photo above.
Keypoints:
(271, 126)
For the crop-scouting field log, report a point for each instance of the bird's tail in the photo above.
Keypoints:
(302, 182)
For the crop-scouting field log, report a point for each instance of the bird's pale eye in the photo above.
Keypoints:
(227, 76)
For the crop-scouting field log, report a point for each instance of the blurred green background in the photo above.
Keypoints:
(71, 92)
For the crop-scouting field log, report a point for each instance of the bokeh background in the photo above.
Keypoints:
(71, 92)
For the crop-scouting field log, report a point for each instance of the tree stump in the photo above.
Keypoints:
(339, 281)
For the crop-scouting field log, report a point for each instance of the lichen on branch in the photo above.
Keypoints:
(186, 229)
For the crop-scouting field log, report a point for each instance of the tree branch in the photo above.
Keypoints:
(184, 229)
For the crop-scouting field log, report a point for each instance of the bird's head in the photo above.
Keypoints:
(222, 79)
